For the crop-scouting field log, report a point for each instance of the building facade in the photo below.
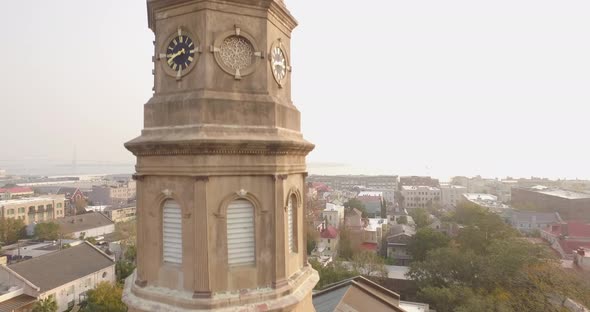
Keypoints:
(570, 205)
(65, 275)
(121, 214)
(34, 209)
(420, 196)
(333, 215)
(451, 195)
(220, 164)
(112, 194)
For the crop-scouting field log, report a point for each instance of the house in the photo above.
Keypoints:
(333, 214)
(372, 201)
(353, 220)
(121, 213)
(361, 294)
(397, 242)
(566, 237)
(65, 275)
(373, 232)
(327, 244)
(86, 225)
(582, 258)
(529, 221)
(15, 192)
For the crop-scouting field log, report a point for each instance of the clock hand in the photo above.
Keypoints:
(175, 55)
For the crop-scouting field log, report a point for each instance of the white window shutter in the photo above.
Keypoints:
(290, 223)
(172, 232)
(241, 245)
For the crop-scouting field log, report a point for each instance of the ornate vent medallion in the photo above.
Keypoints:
(236, 53)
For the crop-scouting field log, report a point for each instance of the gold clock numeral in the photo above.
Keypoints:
(190, 58)
(174, 66)
(175, 42)
(190, 44)
(180, 39)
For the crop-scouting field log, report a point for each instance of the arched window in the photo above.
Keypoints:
(172, 232)
(241, 243)
(292, 222)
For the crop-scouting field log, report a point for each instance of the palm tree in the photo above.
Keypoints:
(46, 305)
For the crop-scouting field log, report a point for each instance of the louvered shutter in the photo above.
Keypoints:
(290, 223)
(240, 233)
(172, 232)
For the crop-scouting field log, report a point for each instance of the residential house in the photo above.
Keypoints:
(582, 258)
(567, 237)
(327, 244)
(372, 201)
(361, 294)
(530, 221)
(92, 224)
(65, 275)
(397, 241)
(374, 231)
(113, 194)
(353, 220)
(333, 214)
(121, 213)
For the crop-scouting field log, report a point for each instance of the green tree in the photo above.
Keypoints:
(123, 269)
(369, 263)
(311, 239)
(347, 247)
(421, 217)
(355, 203)
(402, 220)
(332, 273)
(426, 239)
(383, 208)
(11, 230)
(106, 297)
(46, 305)
(47, 231)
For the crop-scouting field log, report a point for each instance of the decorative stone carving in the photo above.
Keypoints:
(236, 53)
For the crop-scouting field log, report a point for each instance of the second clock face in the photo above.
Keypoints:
(279, 64)
(180, 52)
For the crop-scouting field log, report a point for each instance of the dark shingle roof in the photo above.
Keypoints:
(540, 217)
(83, 222)
(55, 269)
(17, 302)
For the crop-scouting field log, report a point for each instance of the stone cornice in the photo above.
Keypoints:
(218, 148)
(275, 7)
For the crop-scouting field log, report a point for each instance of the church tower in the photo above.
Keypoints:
(221, 164)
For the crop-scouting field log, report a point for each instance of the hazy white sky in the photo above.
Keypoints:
(456, 87)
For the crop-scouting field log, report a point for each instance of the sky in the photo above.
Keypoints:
(442, 88)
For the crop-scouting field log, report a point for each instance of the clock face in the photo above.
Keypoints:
(180, 52)
(279, 64)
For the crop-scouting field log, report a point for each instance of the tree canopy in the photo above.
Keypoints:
(489, 267)
(46, 305)
(47, 231)
(355, 203)
(426, 239)
(106, 297)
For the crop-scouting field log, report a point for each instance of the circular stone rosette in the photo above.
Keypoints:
(236, 53)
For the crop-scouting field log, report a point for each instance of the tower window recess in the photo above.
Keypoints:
(172, 232)
(241, 245)
(292, 223)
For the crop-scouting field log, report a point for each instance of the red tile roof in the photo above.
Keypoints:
(329, 232)
(369, 246)
(578, 229)
(569, 246)
(16, 190)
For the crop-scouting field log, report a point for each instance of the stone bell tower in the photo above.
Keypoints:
(221, 164)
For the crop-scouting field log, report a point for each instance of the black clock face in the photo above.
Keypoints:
(180, 52)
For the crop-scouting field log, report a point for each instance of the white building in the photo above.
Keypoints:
(65, 275)
(451, 195)
(333, 215)
(86, 225)
(487, 201)
(420, 196)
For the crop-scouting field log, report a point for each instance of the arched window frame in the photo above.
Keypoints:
(257, 211)
(292, 221)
